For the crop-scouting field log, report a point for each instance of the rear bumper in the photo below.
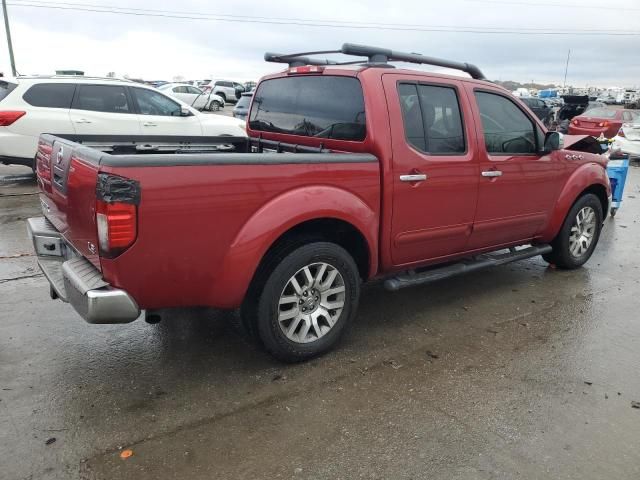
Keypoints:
(75, 280)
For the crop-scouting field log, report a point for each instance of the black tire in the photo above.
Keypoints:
(215, 106)
(262, 306)
(561, 255)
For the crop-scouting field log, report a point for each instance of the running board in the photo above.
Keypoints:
(412, 278)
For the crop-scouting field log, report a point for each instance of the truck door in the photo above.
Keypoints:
(435, 177)
(518, 184)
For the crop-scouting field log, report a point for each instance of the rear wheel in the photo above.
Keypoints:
(215, 106)
(579, 234)
(308, 298)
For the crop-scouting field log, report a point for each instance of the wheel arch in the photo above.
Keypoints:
(321, 213)
(589, 178)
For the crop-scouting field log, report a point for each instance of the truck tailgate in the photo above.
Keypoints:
(67, 183)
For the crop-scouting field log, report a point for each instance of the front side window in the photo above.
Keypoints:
(50, 95)
(154, 103)
(432, 119)
(507, 130)
(194, 90)
(311, 106)
(102, 98)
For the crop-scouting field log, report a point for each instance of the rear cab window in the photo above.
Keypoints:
(50, 95)
(6, 88)
(318, 106)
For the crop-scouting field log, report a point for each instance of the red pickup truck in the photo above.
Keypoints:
(349, 172)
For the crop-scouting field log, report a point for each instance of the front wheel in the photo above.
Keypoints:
(307, 301)
(579, 234)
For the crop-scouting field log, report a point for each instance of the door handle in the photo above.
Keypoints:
(414, 177)
(83, 120)
(150, 124)
(492, 173)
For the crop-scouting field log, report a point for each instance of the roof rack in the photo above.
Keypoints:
(375, 56)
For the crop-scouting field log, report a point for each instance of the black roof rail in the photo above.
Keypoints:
(375, 56)
(383, 55)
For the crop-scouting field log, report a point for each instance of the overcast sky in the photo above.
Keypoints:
(160, 48)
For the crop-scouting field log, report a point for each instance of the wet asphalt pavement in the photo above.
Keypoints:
(521, 371)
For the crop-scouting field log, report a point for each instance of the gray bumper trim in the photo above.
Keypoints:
(78, 282)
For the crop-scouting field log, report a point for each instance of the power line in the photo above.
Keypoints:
(113, 8)
(313, 23)
(555, 5)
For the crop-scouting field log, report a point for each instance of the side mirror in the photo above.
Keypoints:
(185, 112)
(552, 142)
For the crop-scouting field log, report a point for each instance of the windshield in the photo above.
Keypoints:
(601, 113)
(6, 88)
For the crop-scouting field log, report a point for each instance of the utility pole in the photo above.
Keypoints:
(566, 69)
(6, 28)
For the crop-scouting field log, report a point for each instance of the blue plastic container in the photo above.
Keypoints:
(617, 172)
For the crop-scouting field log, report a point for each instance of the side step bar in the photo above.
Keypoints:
(412, 278)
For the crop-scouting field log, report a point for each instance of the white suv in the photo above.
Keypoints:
(229, 91)
(62, 105)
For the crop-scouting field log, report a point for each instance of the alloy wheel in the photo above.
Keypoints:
(311, 302)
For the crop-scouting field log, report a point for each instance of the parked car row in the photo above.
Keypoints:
(30, 106)
(194, 96)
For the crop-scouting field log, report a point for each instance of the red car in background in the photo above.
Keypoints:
(605, 121)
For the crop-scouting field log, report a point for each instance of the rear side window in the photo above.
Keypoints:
(6, 88)
(310, 106)
(102, 98)
(507, 130)
(50, 95)
(432, 119)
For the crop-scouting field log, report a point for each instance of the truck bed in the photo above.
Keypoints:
(189, 188)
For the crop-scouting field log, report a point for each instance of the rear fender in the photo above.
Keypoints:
(581, 179)
(277, 217)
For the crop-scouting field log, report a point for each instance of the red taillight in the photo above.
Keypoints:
(575, 122)
(7, 117)
(306, 69)
(117, 226)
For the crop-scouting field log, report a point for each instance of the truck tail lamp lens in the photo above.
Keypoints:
(116, 213)
(117, 226)
(7, 117)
